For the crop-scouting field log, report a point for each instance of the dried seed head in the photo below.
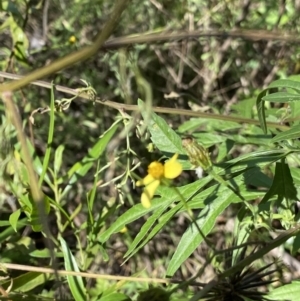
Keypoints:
(197, 154)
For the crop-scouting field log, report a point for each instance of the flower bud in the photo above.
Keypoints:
(197, 154)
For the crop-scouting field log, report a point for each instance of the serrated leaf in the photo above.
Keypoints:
(165, 138)
(191, 125)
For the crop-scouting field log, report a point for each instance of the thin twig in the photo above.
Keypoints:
(165, 36)
(126, 107)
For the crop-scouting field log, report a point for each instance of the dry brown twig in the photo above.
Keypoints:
(126, 107)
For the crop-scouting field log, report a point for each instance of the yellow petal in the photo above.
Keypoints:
(172, 168)
(124, 230)
(147, 180)
(148, 193)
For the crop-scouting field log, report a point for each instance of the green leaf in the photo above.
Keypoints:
(13, 219)
(260, 105)
(44, 253)
(296, 244)
(13, 8)
(76, 284)
(142, 237)
(209, 139)
(20, 41)
(209, 124)
(192, 124)
(281, 97)
(140, 241)
(285, 84)
(165, 139)
(38, 166)
(283, 184)
(290, 292)
(194, 202)
(255, 177)
(137, 211)
(33, 214)
(9, 231)
(293, 133)
(282, 83)
(295, 111)
(244, 108)
(28, 281)
(50, 137)
(191, 239)
(58, 158)
(256, 158)
(115, 297)
(242, 230)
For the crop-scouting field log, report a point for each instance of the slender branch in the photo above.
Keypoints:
(127, 107)
(164, 36)
(21, 267)
(36, 192)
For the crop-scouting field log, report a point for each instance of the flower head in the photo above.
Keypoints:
(157, 174)
(197, 154)
(72, 39)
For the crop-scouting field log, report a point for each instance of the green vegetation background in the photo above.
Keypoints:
(236, 94)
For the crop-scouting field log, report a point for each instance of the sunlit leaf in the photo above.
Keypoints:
(76, 284)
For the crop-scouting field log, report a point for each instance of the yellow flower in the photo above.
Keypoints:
(124, 230)
(157, 174)
(72, 39)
